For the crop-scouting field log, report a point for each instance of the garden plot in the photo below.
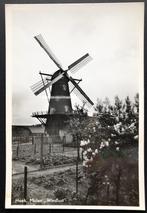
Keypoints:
(53, 155)
(54, 188)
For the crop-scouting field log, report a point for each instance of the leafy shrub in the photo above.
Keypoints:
(61, 193)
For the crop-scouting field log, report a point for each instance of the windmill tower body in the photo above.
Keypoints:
(60, 101)
(60, 107)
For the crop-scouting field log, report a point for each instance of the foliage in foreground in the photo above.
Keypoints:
(105, 140)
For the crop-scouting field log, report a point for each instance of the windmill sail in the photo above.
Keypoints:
(41, 86)
(74, 67)
(80, 93)
(37, 86)
(45, 46)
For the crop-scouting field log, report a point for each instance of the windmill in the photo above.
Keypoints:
(60, 85)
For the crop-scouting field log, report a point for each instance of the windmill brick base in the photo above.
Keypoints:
(56, 126)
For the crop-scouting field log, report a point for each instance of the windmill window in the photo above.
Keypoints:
(52, 110)
(66, 108)
(64, 87)
(56, 99)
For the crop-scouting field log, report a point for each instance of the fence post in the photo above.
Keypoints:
(34, 148)
(17, 151)
(63, 142)
(32, 139)
(25, 183)
(50, 144)
(49, 148)
(41, 152)
(117, 182)
(108, 190)
(82, 155)
(77, 163)
(52, 147)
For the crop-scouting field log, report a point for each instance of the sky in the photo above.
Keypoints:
(112, 33)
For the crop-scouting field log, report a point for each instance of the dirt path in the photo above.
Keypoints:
(18, 167)
(37, 173)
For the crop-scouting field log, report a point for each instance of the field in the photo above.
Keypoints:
(50, 187)
(48, 155)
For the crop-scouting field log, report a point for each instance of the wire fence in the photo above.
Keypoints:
(42, 151)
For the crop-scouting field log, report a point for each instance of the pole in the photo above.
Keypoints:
(63, 142)
(118, 186)
(32, 139)
(41, 152)
(25, 183)
(77, 163)
(50, 142)
(107, 193)
(49, 147)
(17, 150)
(34, 148)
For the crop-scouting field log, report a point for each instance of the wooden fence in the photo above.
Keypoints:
(37, 146)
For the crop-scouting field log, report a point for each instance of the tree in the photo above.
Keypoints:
(77, 120)
(103, 142)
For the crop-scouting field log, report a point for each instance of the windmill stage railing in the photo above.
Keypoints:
(41, 116)
(34, 114)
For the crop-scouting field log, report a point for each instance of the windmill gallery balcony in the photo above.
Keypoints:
(41, 114)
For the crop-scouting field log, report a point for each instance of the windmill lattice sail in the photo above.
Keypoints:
(80, 93)
(74, 67)
(38, 86)
(49, 52)
(41, 86)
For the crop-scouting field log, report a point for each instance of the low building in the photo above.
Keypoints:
(25, 133)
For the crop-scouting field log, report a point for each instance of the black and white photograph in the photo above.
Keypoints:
(75, 106)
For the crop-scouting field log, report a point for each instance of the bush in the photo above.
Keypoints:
(61, 193)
